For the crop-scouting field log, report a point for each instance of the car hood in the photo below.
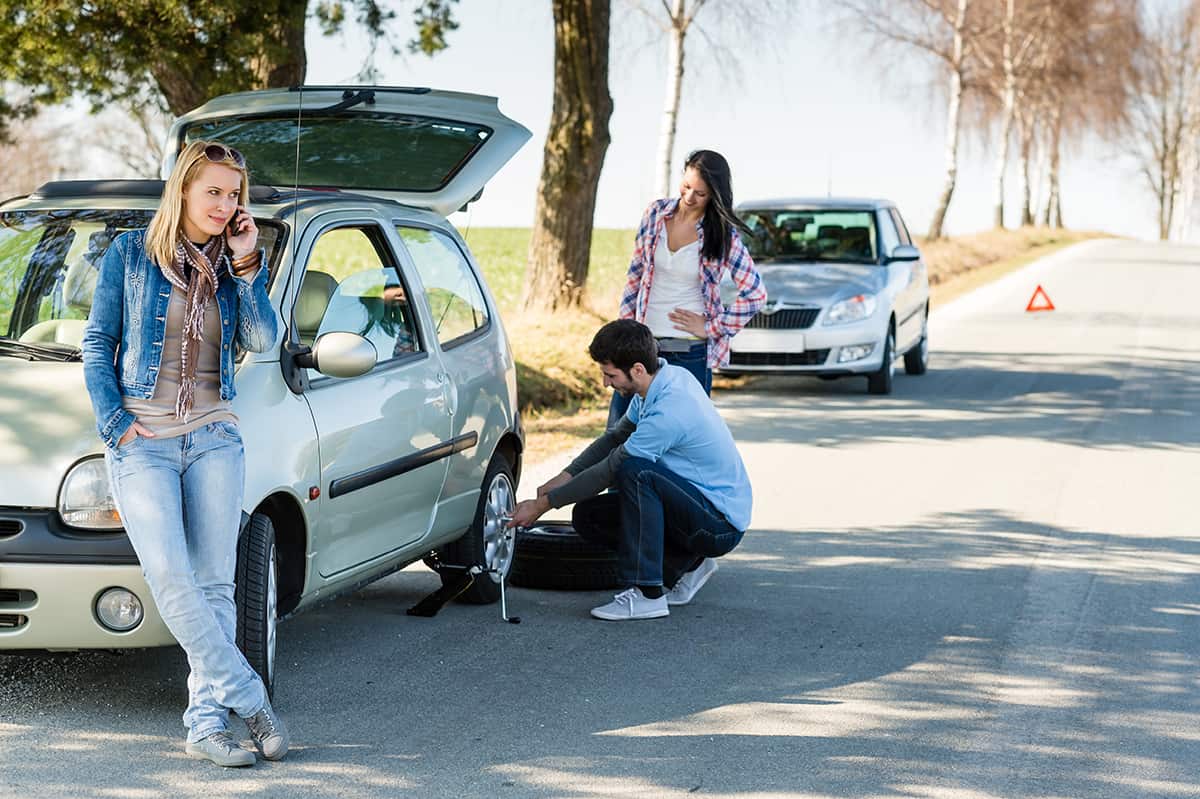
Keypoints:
(430, 149)
(800, 283)
(46, 425)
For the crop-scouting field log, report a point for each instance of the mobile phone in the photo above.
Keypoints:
(231, 227)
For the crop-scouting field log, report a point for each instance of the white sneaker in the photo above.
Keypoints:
(691, 582)
(632, 604)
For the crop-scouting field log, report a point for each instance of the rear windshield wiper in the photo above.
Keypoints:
(39, 352)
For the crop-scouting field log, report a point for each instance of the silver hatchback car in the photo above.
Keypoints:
(848, 292)
(380, 429)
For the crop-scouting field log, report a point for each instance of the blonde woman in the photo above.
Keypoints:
(172, 305)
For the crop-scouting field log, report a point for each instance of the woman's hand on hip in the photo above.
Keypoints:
(689, 322)
(136, 429)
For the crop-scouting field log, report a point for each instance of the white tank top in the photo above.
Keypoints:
(676, 284)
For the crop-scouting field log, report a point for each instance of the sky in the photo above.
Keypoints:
(806, 112)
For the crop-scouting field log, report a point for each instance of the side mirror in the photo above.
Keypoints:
(339, 354)
(904, 252)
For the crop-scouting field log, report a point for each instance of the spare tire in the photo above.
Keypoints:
(552, 555)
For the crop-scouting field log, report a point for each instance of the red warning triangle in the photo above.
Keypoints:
(1043, 304)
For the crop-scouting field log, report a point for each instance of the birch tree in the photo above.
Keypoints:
(1162, 124)
(722, 21)
(948, 33)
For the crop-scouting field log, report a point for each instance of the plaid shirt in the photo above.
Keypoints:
(723, 323)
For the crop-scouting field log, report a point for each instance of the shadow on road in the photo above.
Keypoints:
(1086, 400)
(856, 663)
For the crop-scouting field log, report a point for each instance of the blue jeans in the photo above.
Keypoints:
(660, 525)
(180, 499)
(695, 360)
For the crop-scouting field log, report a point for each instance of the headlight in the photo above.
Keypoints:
(86, 498)
(853, 309)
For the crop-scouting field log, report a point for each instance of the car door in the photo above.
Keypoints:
(461, 323)
(906, 276)
(380, 435)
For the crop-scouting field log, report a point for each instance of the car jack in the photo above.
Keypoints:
(430, 605)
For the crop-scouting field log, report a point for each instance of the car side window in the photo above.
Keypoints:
(451, 287)
(887, 233)
(351, 285)
(901, 228)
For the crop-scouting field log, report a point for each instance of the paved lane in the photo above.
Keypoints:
(984, 585)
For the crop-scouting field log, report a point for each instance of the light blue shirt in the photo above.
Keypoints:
(678, 426)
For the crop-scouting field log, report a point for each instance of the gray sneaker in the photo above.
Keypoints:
(221, 749)
(691, 582)
(268, 733)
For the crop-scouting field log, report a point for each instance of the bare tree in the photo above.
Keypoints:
(723, 21)
(950, 33)
(1163, 120)
(1014, 58)
(36, 154)
(560, 245)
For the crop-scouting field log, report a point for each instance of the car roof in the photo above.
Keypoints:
(816, 203)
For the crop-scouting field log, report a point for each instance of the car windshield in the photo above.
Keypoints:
(816, 235)
(49, 261)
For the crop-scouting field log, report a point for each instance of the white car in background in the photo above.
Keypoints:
(848, 293)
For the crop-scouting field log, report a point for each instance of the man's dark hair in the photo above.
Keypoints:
(624, 343)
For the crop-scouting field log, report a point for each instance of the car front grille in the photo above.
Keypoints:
(11, 596)
(806, 358)
(9, 528)
(12, 621)
(784, 319)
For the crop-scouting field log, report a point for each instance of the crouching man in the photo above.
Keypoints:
(682, 495)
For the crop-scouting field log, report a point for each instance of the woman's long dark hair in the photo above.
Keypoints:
(719, 219)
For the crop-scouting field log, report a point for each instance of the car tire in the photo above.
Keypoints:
(256, 589)
(916, 360)
(880, 381)
(488, 544)
(555, 557)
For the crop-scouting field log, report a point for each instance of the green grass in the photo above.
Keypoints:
(502, 254)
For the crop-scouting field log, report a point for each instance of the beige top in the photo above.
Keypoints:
(158, 412)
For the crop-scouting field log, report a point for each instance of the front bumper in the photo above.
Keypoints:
(813, 351)
(50, 578)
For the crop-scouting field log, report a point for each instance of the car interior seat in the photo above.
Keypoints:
(856, 242)
(315, 292)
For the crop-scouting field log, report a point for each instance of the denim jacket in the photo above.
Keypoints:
(123, 339)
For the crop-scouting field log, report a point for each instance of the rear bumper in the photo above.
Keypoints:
(51, 577)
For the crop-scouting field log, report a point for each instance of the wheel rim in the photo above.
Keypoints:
(497, 538)
(272, 604)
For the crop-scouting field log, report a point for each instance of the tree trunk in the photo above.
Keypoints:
(1025, 131)
(282, 61)
(666, 131)
(1006, 122)
(276, 59)
(1053, 216)
(952, 114)
(578, 138)
(1009, 102)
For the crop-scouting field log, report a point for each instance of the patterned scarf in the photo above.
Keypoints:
(199, 285)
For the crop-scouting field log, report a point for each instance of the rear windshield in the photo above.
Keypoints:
(381, 152)
(49, 261)
(822, 235)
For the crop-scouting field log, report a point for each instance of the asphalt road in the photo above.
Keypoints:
(984, 585)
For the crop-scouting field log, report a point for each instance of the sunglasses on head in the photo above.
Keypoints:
(219, 152)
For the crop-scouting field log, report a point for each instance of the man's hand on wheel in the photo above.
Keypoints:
(529, 511)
